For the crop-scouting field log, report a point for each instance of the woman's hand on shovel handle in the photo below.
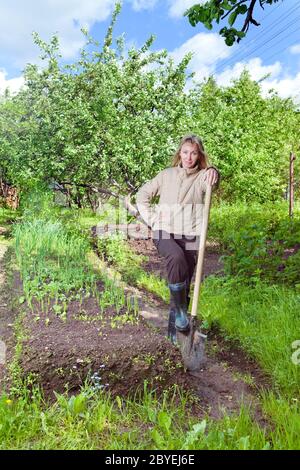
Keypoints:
(211, 176)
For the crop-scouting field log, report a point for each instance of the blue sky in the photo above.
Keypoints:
(273, 48)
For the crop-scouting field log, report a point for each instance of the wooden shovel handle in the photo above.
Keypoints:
(133, 210)
(203, 233)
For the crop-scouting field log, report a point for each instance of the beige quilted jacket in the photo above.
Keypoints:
(181, 199)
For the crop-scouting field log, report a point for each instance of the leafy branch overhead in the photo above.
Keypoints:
(217, 10)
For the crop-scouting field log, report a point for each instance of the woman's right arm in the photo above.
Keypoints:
(145, 194)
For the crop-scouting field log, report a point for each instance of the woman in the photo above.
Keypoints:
(175, 221)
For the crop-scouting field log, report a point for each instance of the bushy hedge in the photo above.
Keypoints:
(262, 241)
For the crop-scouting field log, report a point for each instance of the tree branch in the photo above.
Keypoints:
(233, 8)
(95, 189)
(249, 19)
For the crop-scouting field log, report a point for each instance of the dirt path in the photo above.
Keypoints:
(3, 307)
(7, 313)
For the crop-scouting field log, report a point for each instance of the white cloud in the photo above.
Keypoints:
(178, 7)
(143, 4)
(18, 19)
(295, 49)
(207, 49)
(255, 67)
(14, 84)
(286, 87)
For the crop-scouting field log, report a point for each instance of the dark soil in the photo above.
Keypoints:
(63, 353)
(11, 289)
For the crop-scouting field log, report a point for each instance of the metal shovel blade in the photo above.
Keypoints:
(192, 347)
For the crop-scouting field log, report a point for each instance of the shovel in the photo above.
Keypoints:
(192, 343)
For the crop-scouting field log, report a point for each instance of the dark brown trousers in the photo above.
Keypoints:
(180, 253)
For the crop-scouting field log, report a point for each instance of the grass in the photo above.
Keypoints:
(52, 255)
(285, 415)
(96, 421)
(51, 260)
(264, 319)
(117, 252)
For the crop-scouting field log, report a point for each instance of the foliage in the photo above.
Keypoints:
(7, 215)
(217, 10)
(263, 319)
(261, 252)
(103, 122)
(94, 420)
(108, 122)
(261, 242)
(245, 138)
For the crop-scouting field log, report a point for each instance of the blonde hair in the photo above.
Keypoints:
(202, 161)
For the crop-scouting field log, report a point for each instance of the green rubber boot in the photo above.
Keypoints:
(178, 292)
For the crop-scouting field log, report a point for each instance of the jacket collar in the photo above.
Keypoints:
(187, 171)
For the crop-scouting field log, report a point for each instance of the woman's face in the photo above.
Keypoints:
(189, 155)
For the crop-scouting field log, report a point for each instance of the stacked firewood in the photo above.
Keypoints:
(9, 195)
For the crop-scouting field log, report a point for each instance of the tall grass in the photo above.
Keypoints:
(129, 264)
(285, 416)
(52, 252)
(264, 319)
(96, 421)
(50, 248)
(51, 261)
